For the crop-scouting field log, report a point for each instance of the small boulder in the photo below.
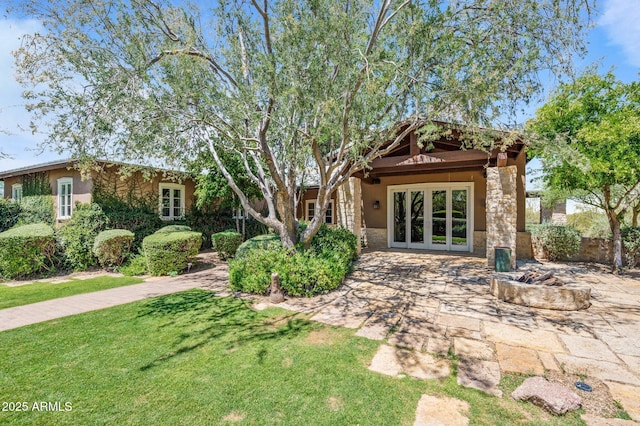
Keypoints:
(553, 397)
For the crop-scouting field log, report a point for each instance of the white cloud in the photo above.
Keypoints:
(621, 21)
(15, 138)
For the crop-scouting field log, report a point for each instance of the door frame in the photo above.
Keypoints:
(428, 188)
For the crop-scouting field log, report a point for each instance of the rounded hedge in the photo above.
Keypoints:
(173, 228)
(266, 241)
(169, 253)
(226, 243)
(559, 242)
(319, 269)
(112, 246)
(26, 249)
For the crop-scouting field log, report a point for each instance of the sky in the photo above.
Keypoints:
(613, 42)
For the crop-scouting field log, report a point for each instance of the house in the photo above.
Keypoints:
(445, 198)
(69, 185)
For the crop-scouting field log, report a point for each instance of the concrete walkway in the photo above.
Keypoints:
(216, 278)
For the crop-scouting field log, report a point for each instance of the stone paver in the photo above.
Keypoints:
(515, 359)
(628, 396)
(602, 370)
(441, 411)
(587, 348)
(471, 348)
(481, 375)
(591, 420)
(394, 361)
(528, 338)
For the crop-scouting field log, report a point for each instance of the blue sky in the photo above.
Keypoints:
(613, 42)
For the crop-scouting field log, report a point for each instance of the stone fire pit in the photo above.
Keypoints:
(559, 295)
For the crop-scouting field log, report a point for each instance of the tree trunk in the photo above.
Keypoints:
(634, 217)
(614, 223)
(244, 225)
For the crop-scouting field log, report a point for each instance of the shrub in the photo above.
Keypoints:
(319, 269)
(266, 241)
(141, 222)
(170, 252)
(112, 247)
(631, 241)
(26, 249)
(78, 234)
(559, 242)
(226, 243)
(9, 214)
(173, 228)
(137, 265)
(36, 209)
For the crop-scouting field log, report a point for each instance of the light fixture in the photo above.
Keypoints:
(376, 204)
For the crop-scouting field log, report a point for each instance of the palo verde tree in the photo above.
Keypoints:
(588, 137)
(300, 91)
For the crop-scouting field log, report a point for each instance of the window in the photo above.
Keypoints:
(65, 194)
(1, 189)
(310, 211)
(16, 192)
(171, 201)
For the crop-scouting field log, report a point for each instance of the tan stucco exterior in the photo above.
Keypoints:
(83, 187)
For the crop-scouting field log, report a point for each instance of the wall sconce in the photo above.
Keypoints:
(376, 204)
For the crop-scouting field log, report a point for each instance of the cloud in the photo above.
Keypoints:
(621, 22)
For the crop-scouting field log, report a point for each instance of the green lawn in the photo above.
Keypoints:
(194, 359)
(37, 292)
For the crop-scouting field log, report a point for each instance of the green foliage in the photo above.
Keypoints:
(139, 221)
(9, 214)
(36, 209)
(173, 228)
(137, 265)
(34, 184)
(559, 242)
(302, 273)
(226, 243)
(77, 235)
(26, 250)
(112, 247)
(275, 83)
(170, 252)
(266, 241)
(631, 241)
(591, 223)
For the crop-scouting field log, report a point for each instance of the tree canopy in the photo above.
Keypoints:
(300, 91)
(588, 137)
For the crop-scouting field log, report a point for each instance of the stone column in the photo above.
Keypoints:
(349, 207)
(556, 214)
(502, 211)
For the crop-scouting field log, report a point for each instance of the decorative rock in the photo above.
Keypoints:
(443, 411)
(565, 298)
(276, 295)
(553, 397)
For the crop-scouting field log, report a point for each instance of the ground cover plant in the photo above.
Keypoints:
(192, 358)
(40, 291)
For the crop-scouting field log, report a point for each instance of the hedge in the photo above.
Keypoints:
(9, 214)
(226, 243)
(169, 252)
(559, 242)
(317, 270)
(26, 249)
(266, 241)
(112, 247)
(78, 235)
(173, 228)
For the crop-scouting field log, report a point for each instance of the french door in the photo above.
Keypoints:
(431, 216)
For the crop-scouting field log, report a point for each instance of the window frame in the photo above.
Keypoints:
(65, 206)
(330, 208)
(16, 192)
(1, 189)
(171, 187)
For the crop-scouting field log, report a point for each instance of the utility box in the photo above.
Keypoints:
(503, 259)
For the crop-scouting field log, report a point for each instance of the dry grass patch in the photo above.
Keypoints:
(323, 337)
(335, 403)
(233, 417)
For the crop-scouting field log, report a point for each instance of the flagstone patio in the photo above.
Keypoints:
(440, 303)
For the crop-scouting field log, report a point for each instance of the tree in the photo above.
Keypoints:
(300, 91)
(588, 137)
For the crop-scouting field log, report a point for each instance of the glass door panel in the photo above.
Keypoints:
(459, 215)
(399, 217)
(417, 217)
(439, 217)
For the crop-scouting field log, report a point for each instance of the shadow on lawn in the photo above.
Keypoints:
(230, 321)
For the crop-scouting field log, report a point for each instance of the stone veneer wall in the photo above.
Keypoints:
(599, 250)
(349, 206)
(376, 238)
(524, 246)
(502, 211)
